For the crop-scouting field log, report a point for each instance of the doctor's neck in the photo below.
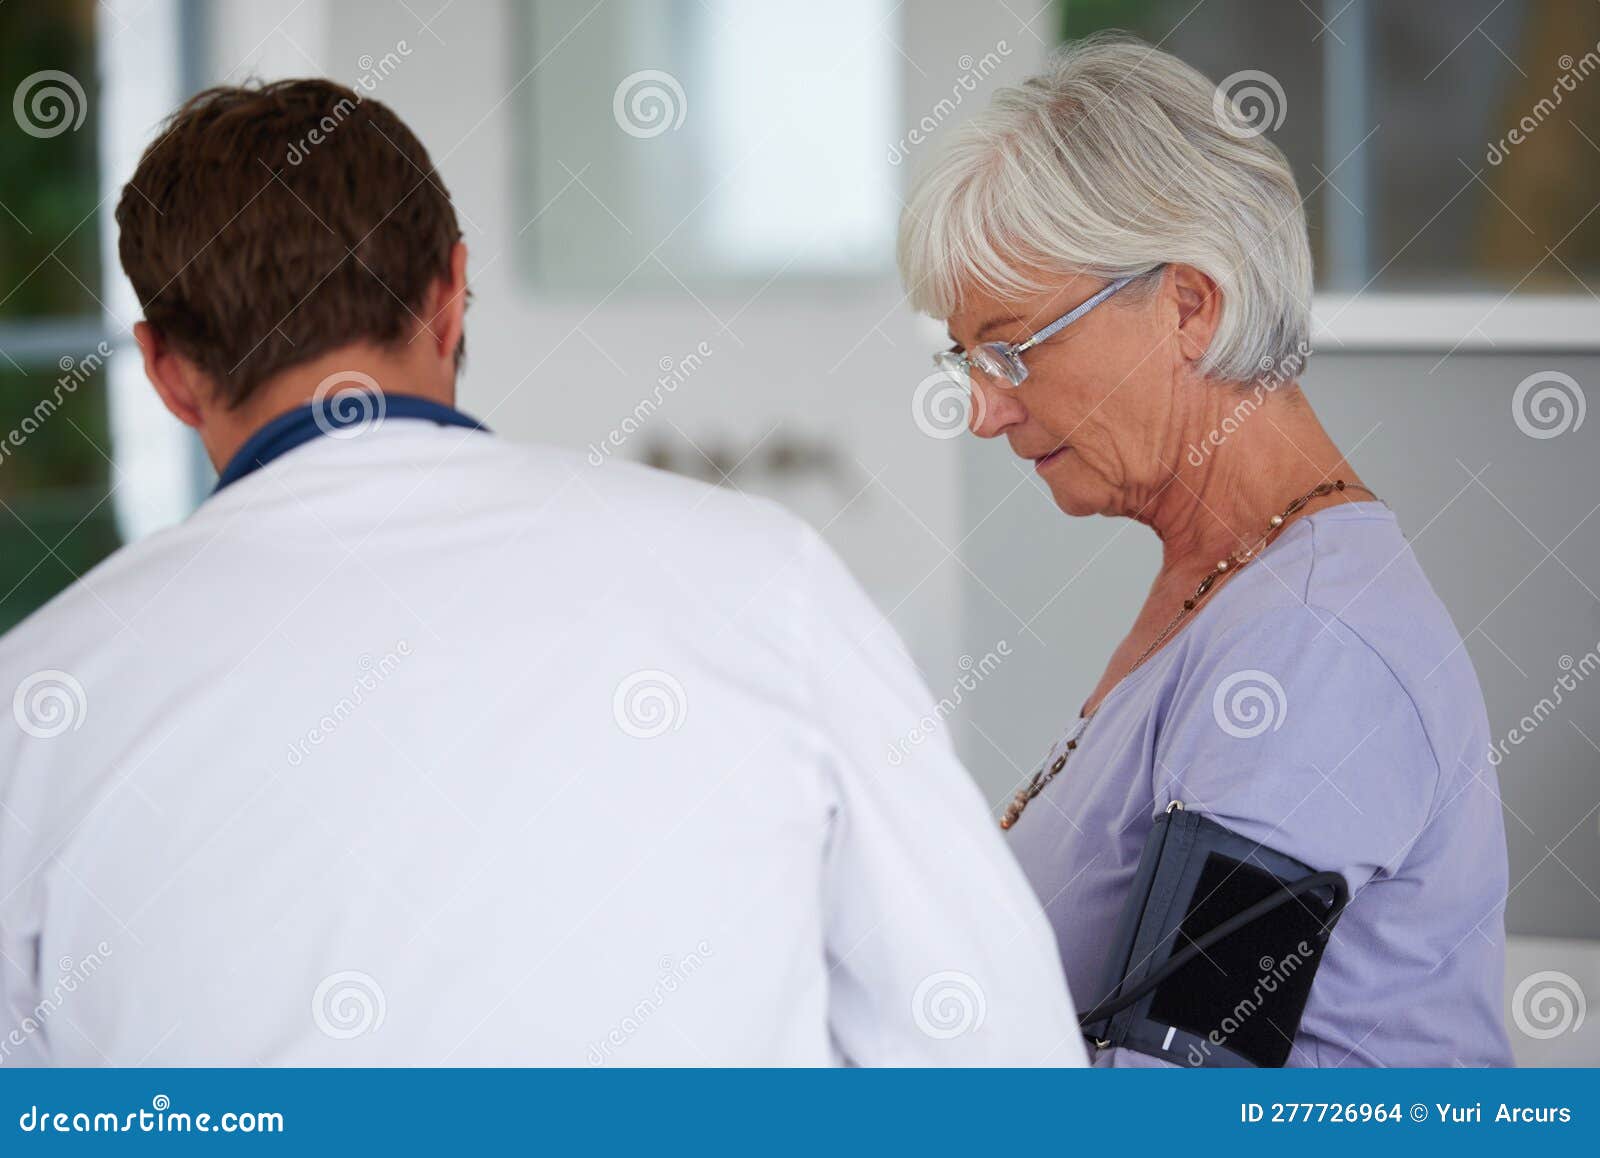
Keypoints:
(415, 369)
(354, 367)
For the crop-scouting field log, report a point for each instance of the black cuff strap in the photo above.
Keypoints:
(1216, 949)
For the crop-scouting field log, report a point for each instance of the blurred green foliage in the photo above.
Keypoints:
(56, 520)
(48, 184)
(1081, 17)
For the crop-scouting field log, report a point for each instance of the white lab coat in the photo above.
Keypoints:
(425, 747)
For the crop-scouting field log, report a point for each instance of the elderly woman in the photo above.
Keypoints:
(1124, 269)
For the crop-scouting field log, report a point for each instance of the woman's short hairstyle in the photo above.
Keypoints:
(1120, 157)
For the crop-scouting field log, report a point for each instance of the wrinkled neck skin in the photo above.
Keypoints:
(1233, 456)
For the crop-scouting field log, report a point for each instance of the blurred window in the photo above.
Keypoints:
(692, 143)
(1442, 145)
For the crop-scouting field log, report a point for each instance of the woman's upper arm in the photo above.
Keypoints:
(1292, 731)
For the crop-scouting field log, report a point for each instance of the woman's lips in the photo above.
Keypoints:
(1039, 463)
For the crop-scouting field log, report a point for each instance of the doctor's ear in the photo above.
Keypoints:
(182, 386)
(445, 308)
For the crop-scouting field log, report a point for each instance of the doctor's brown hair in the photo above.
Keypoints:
(269, 224)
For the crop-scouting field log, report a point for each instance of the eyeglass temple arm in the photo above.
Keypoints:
(1061, 323)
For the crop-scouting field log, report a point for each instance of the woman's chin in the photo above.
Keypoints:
(1074, 504)
(1069, 491)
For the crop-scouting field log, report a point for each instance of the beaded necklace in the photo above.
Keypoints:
(1232, 563)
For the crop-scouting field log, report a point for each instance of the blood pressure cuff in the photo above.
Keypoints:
(1237, 1001)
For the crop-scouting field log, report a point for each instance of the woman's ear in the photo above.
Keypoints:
(1199, 302)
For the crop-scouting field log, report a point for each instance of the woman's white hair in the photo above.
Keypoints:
(1119, 158)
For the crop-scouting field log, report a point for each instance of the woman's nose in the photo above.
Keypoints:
(993, 408)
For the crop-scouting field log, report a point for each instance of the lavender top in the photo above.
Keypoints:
(1322, 704)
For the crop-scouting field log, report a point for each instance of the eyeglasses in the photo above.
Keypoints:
(1001, 361)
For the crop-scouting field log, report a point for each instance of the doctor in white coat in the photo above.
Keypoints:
(414, 745)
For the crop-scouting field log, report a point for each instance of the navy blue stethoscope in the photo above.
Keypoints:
(331, 415)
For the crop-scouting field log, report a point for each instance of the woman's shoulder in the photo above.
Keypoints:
(1344, 572)
(1363, 578)
(1341, 608)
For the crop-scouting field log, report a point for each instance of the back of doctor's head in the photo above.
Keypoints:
(270, 224)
